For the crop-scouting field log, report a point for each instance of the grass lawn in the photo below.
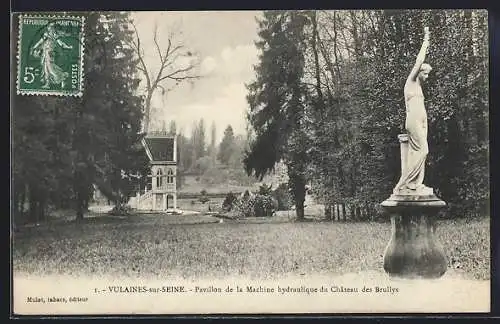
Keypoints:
(198, 246)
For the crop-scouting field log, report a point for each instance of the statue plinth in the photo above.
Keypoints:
(413, 250)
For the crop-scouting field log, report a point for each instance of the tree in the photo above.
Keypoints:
(40, 149)
(226, 146)
(63, 146)
(40, 155)
(277, 101)
(173, 128)
(197, 141)
(236, 153)
(184, 156)
(336, 93)
(200, 144)
(212, 149)
(107, 128)
(355, 152)
(203, 164)
(185, 151)
(171, 71)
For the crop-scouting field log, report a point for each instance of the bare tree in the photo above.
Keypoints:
(170, 73)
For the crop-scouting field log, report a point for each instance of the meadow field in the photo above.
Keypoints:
(197, 246)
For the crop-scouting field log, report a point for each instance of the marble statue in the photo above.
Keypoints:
(412, 177)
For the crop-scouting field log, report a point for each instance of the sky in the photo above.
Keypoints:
(224, 43)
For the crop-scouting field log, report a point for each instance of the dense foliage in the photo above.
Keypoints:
(277, 102)
(64, 147)
(328, 101)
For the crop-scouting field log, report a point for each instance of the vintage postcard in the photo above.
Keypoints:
(250, 162)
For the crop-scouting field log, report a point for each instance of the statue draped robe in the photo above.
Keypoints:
(416, 128)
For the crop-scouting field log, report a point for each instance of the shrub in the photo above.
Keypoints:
(265, 205)
(258, 205)
(203, 199)
(283, 197)
(244, 207)
(229, 201)
(120, 210)
(265, 189)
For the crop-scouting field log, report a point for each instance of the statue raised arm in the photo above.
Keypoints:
(420, 57)
(411, 180)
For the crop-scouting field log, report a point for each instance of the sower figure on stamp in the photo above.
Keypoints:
(45, 49)
(416, 125)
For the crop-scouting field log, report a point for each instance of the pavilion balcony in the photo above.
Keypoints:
(167, 187)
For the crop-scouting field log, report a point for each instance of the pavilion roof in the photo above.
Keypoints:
(160, 147)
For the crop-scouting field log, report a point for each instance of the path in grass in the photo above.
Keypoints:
(179, 246)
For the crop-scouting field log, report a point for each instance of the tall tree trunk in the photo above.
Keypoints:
(79, 206)
(42, 210)
(335, 48)
(16, 200)
(25, 199)
(298, 185)
(300, 211)
(317, 69)
(22, 200)
(355, 34)
(468, 114)
(81, 196)
(299, 203)
(328, 213)
(33, 205)
(147, 111)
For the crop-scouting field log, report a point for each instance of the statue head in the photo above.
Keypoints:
(425, 69)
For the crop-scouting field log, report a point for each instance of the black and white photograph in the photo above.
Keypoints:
(250, 162)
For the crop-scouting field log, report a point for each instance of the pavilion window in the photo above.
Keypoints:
(170, 176)
(159, 178)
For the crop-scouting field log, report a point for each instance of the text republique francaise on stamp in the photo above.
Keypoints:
(50, 55)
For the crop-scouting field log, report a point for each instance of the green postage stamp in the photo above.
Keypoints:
(50, 55)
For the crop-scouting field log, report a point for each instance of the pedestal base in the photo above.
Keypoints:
(413, 250)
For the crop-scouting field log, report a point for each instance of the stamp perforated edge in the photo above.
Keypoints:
(82, 57)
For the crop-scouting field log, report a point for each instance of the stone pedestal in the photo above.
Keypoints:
(413, 250)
